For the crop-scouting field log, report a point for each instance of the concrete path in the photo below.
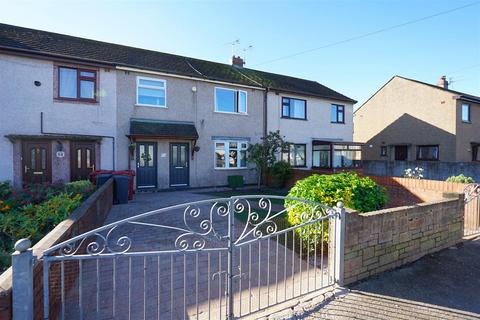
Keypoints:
(178, 285)
(444, 285)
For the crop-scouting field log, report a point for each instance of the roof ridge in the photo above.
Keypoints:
(437, 87)
(50, 43)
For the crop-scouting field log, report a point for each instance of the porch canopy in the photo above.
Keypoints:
(162, 129)
(336, 154)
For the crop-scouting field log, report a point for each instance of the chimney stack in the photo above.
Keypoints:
(442, 82)
(237, 61)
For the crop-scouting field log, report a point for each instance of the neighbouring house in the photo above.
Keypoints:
(72, 105)
(409, 123)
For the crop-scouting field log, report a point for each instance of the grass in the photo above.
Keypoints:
(244, 192)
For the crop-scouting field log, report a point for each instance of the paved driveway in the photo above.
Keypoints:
(173, 285)
(444, 285)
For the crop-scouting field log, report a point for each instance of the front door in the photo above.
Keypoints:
(179, 174)
(146, 165)
(37, 162)
(82, 160)
(401, 153)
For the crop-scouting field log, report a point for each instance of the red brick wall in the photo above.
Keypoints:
(90, 215)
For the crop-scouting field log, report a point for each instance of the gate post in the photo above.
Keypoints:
(231, 212)
(339, 243)
(22, 280)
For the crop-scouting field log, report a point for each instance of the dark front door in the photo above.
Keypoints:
(401, 153)
(146, 165)
(37, 162)
(82, 160)
(179, 174)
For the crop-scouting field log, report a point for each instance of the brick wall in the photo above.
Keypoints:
(385, 239)
(91, 214)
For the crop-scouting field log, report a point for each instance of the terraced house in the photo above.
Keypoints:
(71, 105)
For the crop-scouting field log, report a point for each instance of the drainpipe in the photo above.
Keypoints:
(265, 111)
(79, 135)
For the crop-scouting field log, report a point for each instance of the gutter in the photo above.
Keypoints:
(78, 135)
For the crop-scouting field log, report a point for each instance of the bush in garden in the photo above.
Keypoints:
(460, 179)
(5, 190)
(416, 173)
(359, 193)
(281, 171)
(82, 187)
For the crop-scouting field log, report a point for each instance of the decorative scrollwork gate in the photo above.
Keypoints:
(217, 258)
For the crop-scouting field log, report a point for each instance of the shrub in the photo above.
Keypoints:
(5, 190)
(281, 171)
(359, 193)
(34, 221)
(460, 179)
(82, 187)
(416, 173)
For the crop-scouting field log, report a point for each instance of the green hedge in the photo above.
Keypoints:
(356, 192)
(461, 178)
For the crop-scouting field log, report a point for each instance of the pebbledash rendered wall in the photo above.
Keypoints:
(382, 240)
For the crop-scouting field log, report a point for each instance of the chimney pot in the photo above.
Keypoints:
(442, 82)
(237, 61)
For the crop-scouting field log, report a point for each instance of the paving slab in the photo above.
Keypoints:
(444, 285)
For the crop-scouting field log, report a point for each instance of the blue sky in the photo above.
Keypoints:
(444, 45)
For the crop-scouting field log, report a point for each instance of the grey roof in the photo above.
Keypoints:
(19, 39)
(161, 129)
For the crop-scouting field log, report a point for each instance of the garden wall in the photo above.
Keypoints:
(436, 170)
(91, 214)
(385, 239)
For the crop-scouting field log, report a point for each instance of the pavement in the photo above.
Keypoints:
(444, 285)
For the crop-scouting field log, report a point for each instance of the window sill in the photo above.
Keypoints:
(467, 122)
(77, 101)
(335, 122)
(290, 118)
(150, 105)
(427, 159)
(231, 169)
(234, 113)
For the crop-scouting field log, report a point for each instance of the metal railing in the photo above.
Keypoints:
(212, 259)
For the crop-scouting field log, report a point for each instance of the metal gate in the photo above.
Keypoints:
(472, 209)
(212, 259)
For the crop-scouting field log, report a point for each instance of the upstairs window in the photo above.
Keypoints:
(230, 100)
(466, 113)
(428, 153)
(294, 108)
(151, 92)
(77, 84)
(337, 113)
(231, 154)
(296, 155)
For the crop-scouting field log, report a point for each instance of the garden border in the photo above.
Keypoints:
(91, 214)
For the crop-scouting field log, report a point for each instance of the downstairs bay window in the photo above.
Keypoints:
(231, 154)
(336, 155)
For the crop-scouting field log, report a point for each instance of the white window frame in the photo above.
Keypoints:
(234, 90)
(151, 87)
(227, 154)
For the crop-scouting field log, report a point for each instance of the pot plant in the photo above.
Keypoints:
(131, 148)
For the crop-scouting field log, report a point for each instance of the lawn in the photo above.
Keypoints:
(252, 191)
